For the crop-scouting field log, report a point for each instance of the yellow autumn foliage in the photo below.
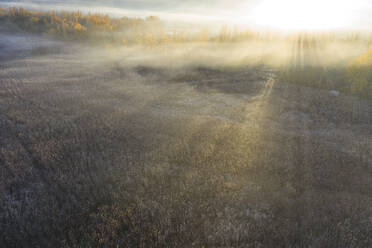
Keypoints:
(359, 74)
(78, 27)
(35, 19)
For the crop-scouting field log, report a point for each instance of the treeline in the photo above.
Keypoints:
(149, 31)
(76, 26)
(118, 31)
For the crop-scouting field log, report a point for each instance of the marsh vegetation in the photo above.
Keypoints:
(218, 142)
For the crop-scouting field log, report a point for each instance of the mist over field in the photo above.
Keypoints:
(134, 130)
(208, 13)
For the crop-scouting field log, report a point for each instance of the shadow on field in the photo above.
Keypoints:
(248, 80)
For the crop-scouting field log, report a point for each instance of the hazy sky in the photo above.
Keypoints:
(207, 11)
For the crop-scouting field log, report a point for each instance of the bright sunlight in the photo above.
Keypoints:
(302, 14)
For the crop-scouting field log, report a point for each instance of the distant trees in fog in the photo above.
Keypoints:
(75, 25)
(149, 31)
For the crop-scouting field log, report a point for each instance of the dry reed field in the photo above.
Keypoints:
(234, 143)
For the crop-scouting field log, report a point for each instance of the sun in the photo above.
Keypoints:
(300, 14)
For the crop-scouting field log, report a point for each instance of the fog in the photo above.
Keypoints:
(198, 69)
(193, 144)
(187, 14)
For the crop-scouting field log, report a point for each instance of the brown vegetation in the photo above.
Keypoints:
(98, 152)
(97, 158)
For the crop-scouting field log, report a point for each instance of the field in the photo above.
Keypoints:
(188, 145)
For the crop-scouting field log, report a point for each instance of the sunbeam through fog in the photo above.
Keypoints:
(159, 123)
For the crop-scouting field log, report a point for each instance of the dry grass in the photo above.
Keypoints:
(101, 154)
